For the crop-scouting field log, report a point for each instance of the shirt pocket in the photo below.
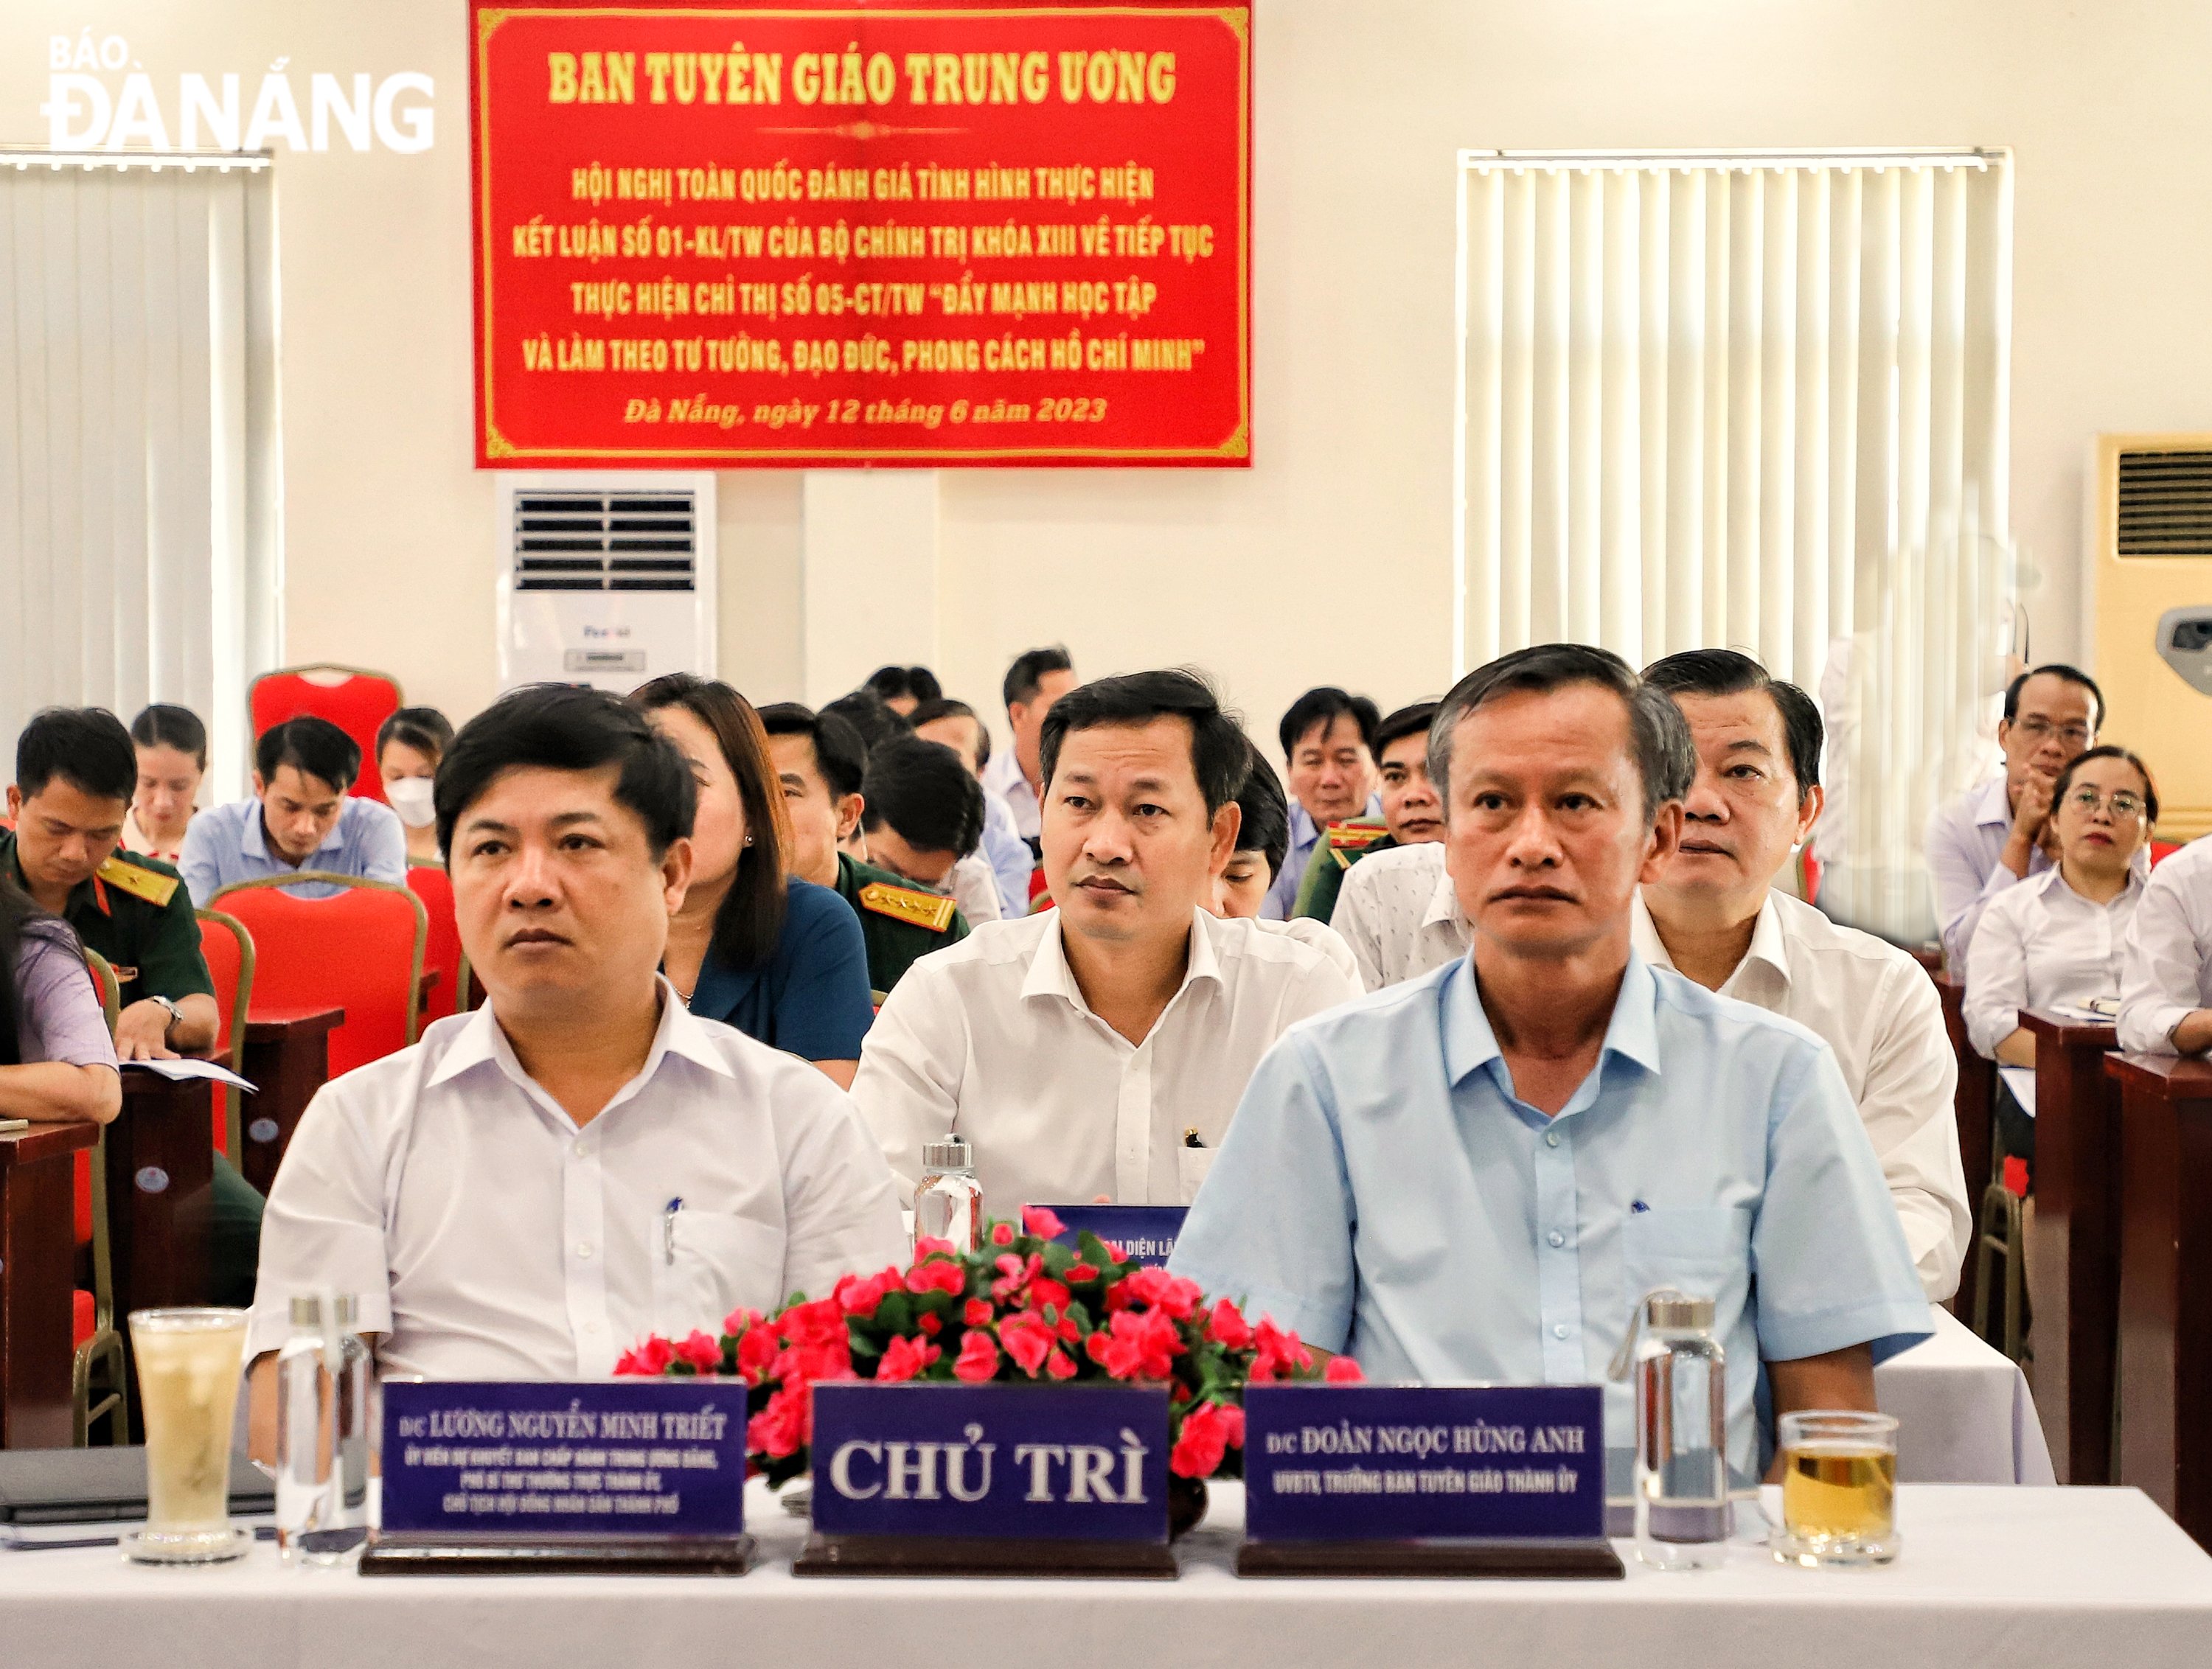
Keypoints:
(712, 1263)
(1192, 1164)
(1703, 1250)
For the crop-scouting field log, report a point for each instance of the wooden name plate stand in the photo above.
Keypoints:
(2076, 1246)
(643, 1556)
(1573, 1560)
(2165, 1284)
(287, 1058)
(979, 1556)
(38, 1254)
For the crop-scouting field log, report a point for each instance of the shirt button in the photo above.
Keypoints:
(1560, 1330)
(1558, 1238)
(583, 1149)
(584, 1248)
(1551, 1138)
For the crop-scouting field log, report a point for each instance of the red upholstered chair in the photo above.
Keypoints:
(360, 949)
(228, 950)
(356, 701)
(429, 882)
(93, 1336)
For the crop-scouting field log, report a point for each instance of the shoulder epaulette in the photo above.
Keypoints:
(1348, 841)
(121, 873)
(909, 904)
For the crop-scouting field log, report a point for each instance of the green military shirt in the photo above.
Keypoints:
(136, 912)
(1347, 843)
(902, 924)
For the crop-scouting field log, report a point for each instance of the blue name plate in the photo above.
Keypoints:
(502, 1460)
(1146, 1234)
(1410, 1463)
(1038, 1462)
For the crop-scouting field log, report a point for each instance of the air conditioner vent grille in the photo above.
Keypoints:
(605, 541)
(2165, 504)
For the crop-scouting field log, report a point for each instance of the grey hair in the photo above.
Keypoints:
(1666, 760)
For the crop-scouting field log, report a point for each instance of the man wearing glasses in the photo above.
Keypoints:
(2000, 832)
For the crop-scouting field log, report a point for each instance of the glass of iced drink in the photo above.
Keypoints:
(189, 1362)
(1838, 1489)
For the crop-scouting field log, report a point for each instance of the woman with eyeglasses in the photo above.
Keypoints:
(2054, 940)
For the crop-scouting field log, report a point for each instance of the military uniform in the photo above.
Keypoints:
(902, 924)
(136, 912)
(1344, 845)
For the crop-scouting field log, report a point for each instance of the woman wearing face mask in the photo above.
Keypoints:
(409, 745)
(172, 746)
(2054, 939)
(780, 959)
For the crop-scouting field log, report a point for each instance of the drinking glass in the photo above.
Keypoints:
(189, 1361)
(1838, 1489)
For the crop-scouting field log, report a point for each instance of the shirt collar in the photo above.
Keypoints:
(1769, 943)
(1633, 1032)
(1049, 975)
(482, 1042)
(1992, 804)
(1443, 902)
(87, 892)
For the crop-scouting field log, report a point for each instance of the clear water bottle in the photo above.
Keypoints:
(354, 1433)
(305, 1500)
(949, 1204)
(1682, 1510)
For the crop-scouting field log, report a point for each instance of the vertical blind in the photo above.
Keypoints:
(138, 492)
(1761, 401)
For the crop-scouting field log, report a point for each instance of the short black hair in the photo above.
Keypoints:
(1665, 759)
(2064, 674)
(1029, 669)
(943, 707)
(1219, 755)
(87, 747)
(839, 753)
(314, 747)
(925, 793)
(424, 729)
(166, 725)
(1324, 706)
(863, 710)
(1732, 672)
(891, 682)
(1265, 824)
(1407, 721)
(569, 727)
(2109, 751)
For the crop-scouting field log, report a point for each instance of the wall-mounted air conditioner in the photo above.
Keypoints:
(605, 578)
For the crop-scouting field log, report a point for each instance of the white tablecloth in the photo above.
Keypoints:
(1964, 1414)
(2023, 1578)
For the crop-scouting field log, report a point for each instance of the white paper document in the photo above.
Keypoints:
(184, 1067)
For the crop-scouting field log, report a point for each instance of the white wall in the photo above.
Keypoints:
(1330, 558)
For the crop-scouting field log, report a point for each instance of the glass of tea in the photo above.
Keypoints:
(189, 1362)
(1838, 1489)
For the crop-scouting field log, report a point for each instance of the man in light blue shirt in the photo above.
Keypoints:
(301, 817)
(1476, 1175)
(1328, 750)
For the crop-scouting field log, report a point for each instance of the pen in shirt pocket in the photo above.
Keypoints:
(668, 1230)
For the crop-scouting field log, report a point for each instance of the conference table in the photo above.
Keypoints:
(2031, 1579)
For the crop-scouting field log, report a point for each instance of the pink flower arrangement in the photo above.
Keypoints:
(1024, 1309)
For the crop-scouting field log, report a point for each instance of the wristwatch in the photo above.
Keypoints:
(171, 1009)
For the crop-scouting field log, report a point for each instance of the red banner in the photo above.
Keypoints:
(709, 236)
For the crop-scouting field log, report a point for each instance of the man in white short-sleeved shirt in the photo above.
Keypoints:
(535, 1186)
(2166, 965)
(1715, 916)
(1400, 915)
(1097, 1050)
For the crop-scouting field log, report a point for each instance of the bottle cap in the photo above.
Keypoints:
(947, 1153)
(307, 1311)
(1676, 1312)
